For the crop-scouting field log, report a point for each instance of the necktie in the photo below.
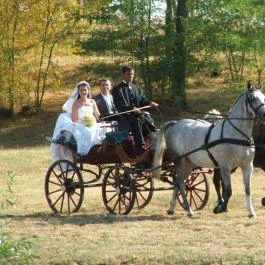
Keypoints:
(110, 105)
(131, 95)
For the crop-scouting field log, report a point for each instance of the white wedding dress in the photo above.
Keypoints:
(85, 137)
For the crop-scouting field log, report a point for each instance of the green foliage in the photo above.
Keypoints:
(249, 262)
(130, 32)
(163, 44)
(233, 28)
(30, 35)
(12, 251)
(8, 197)
(15, 252)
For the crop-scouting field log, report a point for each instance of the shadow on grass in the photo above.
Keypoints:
(89, 219)
(93, 72)
(27, 132)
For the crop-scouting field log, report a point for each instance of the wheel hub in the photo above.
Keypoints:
(69, 186)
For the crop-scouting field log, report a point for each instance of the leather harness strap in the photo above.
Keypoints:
(207, 145)
(248, 142)
(222, 140)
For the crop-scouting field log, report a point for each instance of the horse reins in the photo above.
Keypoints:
(207, 145)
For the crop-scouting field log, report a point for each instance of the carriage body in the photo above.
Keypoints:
(125, 178)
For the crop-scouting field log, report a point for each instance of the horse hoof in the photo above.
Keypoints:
(263, 201)
(189, 215)
(169, 212)
(219, 208)
(252, 216)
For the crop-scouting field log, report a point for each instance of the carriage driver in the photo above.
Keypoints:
(129, 97)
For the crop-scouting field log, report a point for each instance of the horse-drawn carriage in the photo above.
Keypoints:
(183, 150)
(125, 178)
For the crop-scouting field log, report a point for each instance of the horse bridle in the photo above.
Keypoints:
(248, 102)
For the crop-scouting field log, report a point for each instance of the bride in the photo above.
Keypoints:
(80, 118)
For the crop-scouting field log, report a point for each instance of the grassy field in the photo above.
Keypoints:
(146, 236)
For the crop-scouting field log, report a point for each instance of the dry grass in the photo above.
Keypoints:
(146, 236)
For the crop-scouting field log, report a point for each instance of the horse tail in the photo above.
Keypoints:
(160, 148)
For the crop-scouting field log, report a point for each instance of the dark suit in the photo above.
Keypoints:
(126, 99)
(102, 106)
(104, 112)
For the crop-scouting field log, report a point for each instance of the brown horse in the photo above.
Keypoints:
(259, 161)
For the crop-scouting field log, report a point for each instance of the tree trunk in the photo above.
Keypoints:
(179, 60)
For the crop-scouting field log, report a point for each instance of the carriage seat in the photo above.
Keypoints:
(116, 137)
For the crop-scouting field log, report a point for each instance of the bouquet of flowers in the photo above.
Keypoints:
(88, 120)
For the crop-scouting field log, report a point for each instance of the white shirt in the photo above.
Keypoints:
(108, 99)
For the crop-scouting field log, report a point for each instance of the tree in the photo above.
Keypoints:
(10, 14)
(231, 28)
(178, 75)
(56, 21)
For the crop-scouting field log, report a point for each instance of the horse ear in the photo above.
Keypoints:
(258, 86)
(249, 85)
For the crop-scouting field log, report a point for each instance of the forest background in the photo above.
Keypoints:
(172, 44)
(190, 56)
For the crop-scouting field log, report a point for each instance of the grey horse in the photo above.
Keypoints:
(226, 145)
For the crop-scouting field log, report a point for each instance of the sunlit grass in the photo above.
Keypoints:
(145, 236)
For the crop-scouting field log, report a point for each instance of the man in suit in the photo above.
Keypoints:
(106, 106)
(129, 97)
(104, 100)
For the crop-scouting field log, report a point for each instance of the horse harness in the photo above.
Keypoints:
(207, 145)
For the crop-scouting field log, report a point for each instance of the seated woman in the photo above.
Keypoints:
(80, 119)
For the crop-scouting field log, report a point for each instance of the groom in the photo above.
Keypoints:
(104, 100)
(106, 106)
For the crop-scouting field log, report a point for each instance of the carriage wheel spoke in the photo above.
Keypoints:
(57, 176)
(62, 171)
(55, 183)
(111, 198)
(61, 209)
(68, 183)
(68, 203)
(138, 200)
(124, 201)
(117, 190)
(141, 187)
(115, 205)
(197, 183)
(144, 186)
(198, 195)
(58, 198)
(71, 198)
(77, 193)
(193, 200)
(54, 191)
(197, 191)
